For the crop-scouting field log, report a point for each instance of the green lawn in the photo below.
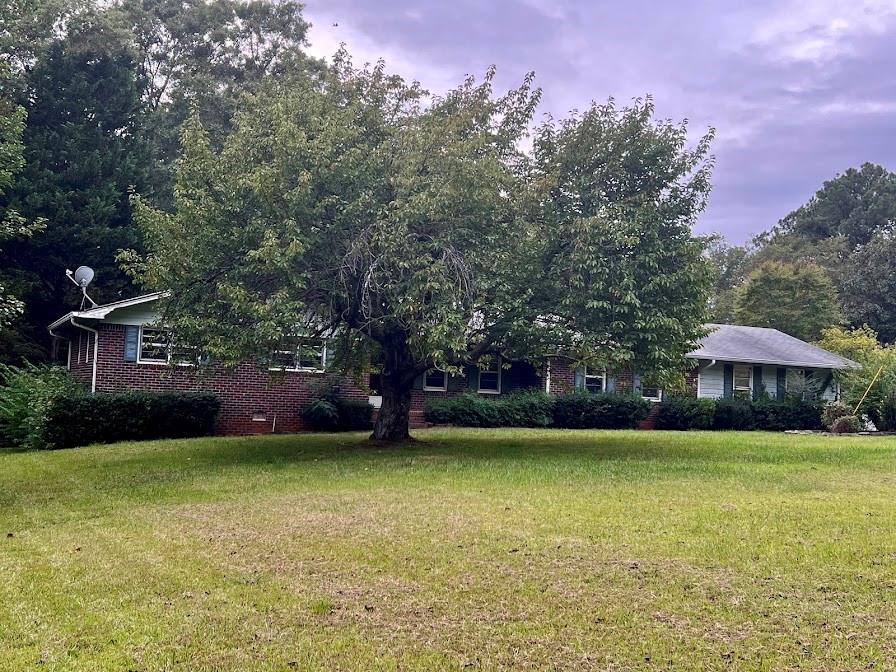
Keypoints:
(468, 550)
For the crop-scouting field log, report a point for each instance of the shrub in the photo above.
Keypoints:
(465, 410)
(847, 424)
(26, 395)
(106, 418)
(582, 410)
(832, 411)
(354, 414)
(733, 414)
(792, 412)
(329, 412)
(322, 415)
(529, 408)
(887, 413)
(681, 412)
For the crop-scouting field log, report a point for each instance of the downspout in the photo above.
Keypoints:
(96, 346)
(68, 357)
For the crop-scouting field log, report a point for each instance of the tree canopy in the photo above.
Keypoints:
(420, 236)
(798, 299)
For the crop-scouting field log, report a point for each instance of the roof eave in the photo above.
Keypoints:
(847, 364)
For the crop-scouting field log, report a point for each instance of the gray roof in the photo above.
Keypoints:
(758, 345)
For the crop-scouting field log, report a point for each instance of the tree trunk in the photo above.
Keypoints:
(393, 420)
(397, 381)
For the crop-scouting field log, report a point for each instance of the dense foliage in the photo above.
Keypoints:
(798, 299)
(413, 231)
(328, 411)
(537, 409)
(27, 395)
(134, 416)
(870, 389)
(792, 412)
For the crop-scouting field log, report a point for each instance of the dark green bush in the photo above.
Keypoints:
(886, 421)
(681, 413)
(529, 408)
(792, 412)
(733, 414)
(26, 395)
(322, 415)
(465, 410)
(583, 410)
(330, 412)
(354, 415)
(106, 418)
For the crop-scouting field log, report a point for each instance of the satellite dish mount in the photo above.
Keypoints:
(82, 277)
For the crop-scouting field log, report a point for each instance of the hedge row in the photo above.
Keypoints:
(106, 418)
(580, 410)
(767, 414)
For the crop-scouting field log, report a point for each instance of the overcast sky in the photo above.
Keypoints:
(798, 90)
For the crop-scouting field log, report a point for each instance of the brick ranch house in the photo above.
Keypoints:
(120, 346)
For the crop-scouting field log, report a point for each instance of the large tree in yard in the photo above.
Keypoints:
(416, 233)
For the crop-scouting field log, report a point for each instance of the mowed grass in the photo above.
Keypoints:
(468, 550)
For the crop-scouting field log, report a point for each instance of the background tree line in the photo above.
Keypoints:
(92, 99)
(830, 262)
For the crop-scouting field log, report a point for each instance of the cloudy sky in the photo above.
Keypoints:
(798, 90)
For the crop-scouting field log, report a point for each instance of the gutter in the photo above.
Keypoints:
(96, 345)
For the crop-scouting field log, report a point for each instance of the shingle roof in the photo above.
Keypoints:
(759, 345)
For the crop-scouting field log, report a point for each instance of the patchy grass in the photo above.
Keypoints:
(467, 550)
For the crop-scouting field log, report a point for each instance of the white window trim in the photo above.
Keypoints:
(158, 362)
(479, 379)
(305, 369)
(658, 397)
(734, 388)
(431, 388)
(586, 376)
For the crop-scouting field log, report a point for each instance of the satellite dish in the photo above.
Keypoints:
(83, 276)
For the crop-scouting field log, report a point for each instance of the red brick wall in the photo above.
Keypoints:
(244, 390)
(563, 376)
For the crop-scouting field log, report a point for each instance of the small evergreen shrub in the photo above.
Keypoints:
(847, 424)
(582, 410)
(682, 412)
(733, 414)
(133, 416)
(832, 411)
(27, 394)
(887, 413)
(329, 412)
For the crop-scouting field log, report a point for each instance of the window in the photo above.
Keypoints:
(594, 381)
(157, 346)
(309, 354)
(743, 380)
(651, 393)
(154, 345)
(795, 381)
(490, 377)
(435, 381)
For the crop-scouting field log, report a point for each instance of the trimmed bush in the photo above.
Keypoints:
(792, 412)
(583, 410)
(887, 413)
(132, 416)
(465, 410)
(733, 414)
(529, 408)
(683, 413)
(26, 395)
(847, 424)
